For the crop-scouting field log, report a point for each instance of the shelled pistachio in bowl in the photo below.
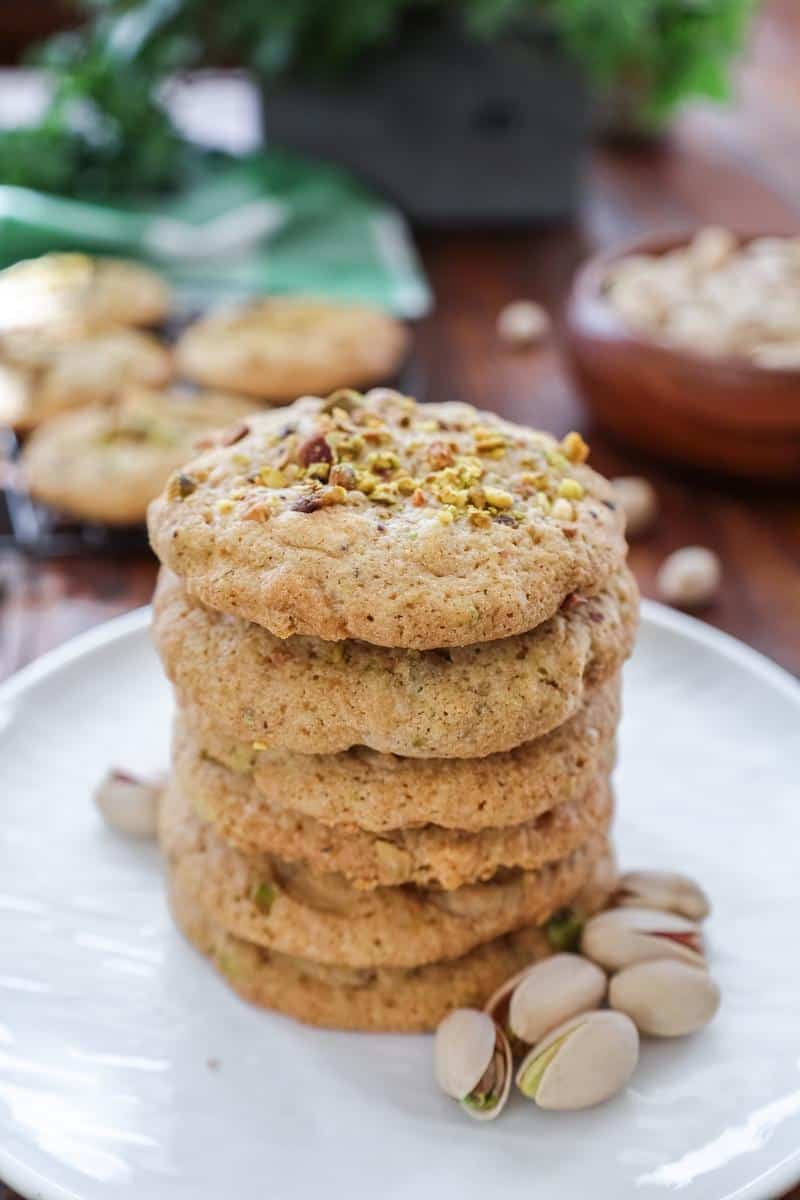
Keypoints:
(716, 294)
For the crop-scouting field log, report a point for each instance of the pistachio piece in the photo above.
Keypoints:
(345, 398)
(622, 936)
(472, 1062)
(550, 992)
(564, 929)
(522, 323)
(583, 1061)
(663, 889)
(128, 803)
(665, 997)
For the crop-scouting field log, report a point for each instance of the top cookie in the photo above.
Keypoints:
(77, 294)
(281, 347)
(373, 517)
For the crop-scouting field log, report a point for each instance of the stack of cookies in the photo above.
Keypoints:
(395, 633)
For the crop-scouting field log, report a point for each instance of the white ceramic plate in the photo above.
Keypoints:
(127, 1069)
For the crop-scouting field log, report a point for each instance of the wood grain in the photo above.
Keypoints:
(734, 166)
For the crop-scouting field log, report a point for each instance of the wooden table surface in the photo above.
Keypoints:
(736, 166)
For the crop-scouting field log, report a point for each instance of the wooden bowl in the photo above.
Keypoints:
(721, 412)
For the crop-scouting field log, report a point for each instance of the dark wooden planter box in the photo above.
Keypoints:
(456, 132)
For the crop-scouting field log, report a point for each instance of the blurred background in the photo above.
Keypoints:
(440, 161)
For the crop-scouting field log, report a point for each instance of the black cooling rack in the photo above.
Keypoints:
(37, 530)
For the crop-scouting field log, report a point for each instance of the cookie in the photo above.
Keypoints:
(281, 347)
(288, 908)
(421, 526)
(313, 697)
(74, 294)
(41, 376)
(382, 793)
(429, 856)
(106, 463)
(376, 999)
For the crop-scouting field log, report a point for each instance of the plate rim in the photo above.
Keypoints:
(29, 1182)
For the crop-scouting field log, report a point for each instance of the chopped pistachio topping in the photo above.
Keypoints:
(345, 452)
(575, 448)
(181, 486)
(384, 493)
(343, 475)
(557, 459)
(498, 498)
(332, 495)
(271, 477)
(570, 489)
(562, 510)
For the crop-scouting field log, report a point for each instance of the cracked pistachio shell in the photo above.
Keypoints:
(665, 997)
(586, 1060)
(667, 890)
(466, 1043)
(550, 992)
(497, 1004)
(622, 936)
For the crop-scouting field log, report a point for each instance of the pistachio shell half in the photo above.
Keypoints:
(497, 1004)
(550, 992)
(472, 1062)
(663, 889)
(665, 997)
(622, 936)
(585, 1060)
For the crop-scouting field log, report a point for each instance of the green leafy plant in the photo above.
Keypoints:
(105, 129)
(665, 51)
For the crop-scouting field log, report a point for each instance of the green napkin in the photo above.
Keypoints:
(264, 223)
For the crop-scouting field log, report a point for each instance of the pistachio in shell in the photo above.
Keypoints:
(622, 936)
(665, 997)
(667, 890)
(497, 1007)
(129, 803)
(582, 1062)
(552, 991)
(472, 1062)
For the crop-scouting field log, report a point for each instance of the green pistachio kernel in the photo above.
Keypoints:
(564, 929)
(480, 1101)
(530, 1079)
(264, 896)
